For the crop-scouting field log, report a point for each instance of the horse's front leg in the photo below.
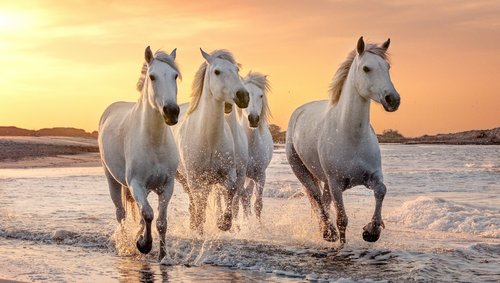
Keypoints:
(164, 195)
(336, 191)
(224, 222)
(140, 194)
(245, 196)
(371, 232)
(261, 180)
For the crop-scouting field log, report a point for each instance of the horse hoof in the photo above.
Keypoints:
(144, 246)
(330, 234)
(368, 237)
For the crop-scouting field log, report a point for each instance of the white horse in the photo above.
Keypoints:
(254, 120)
(138, 150)
(204, 139)
(333, 142)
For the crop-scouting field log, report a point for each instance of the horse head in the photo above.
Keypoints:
(372, 79)
(161, 82)
(223, 79)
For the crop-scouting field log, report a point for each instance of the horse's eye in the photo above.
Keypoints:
(217, 72)
(261, 96)
(366, 69)
(151, 77)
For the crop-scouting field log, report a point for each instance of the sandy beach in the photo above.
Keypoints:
(37, 152)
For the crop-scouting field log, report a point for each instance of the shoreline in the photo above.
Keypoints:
(35, 152)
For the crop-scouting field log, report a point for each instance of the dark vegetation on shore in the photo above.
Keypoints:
(16, 149)
(58, 131)
(480, 137)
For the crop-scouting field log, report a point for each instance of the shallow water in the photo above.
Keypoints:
(442, 216)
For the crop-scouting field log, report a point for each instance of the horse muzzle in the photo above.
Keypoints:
(253, 120)
(242, 98)
(391, 102)
(171, 114)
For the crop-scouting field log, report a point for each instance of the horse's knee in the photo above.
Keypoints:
(379, 191)
(161, 225)
(147, 213)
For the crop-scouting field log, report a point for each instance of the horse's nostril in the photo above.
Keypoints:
(242, 94)
(388, 99)
(253, 119)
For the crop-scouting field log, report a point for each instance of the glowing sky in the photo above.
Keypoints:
(63, 62)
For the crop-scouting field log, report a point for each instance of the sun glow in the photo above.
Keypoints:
(56, 53)
(15, 21)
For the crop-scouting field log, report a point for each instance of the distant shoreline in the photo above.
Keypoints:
(473, 137)
(27, 151)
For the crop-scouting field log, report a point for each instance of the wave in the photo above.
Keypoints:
(438, 214)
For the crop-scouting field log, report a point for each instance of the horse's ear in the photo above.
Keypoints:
(206, 56)
(173, 53)
(386, 44)
(148, 55)
(361, 46)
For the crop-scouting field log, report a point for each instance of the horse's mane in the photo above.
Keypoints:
(261, 82)
(160, 56)
(341, 75)
(199, 77)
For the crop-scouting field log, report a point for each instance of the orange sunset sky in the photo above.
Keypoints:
(63, 62)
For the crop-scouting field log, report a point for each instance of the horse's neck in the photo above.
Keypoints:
(148, 121)
(210, 114)
(353, 110)
(232, 120)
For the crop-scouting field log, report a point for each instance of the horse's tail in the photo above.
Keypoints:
(129, 202)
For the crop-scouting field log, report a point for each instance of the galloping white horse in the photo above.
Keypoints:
(138, 150)
(204, 139)
(254, 120)
(333, 142)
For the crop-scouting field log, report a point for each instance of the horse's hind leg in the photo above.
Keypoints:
(115, 191)
(139, 193)
(313, 192)
(371, 232)
(161, 223)
(336, 191)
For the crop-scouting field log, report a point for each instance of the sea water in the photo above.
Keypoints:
(441, 213)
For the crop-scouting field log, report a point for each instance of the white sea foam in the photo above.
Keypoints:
(438, 214)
